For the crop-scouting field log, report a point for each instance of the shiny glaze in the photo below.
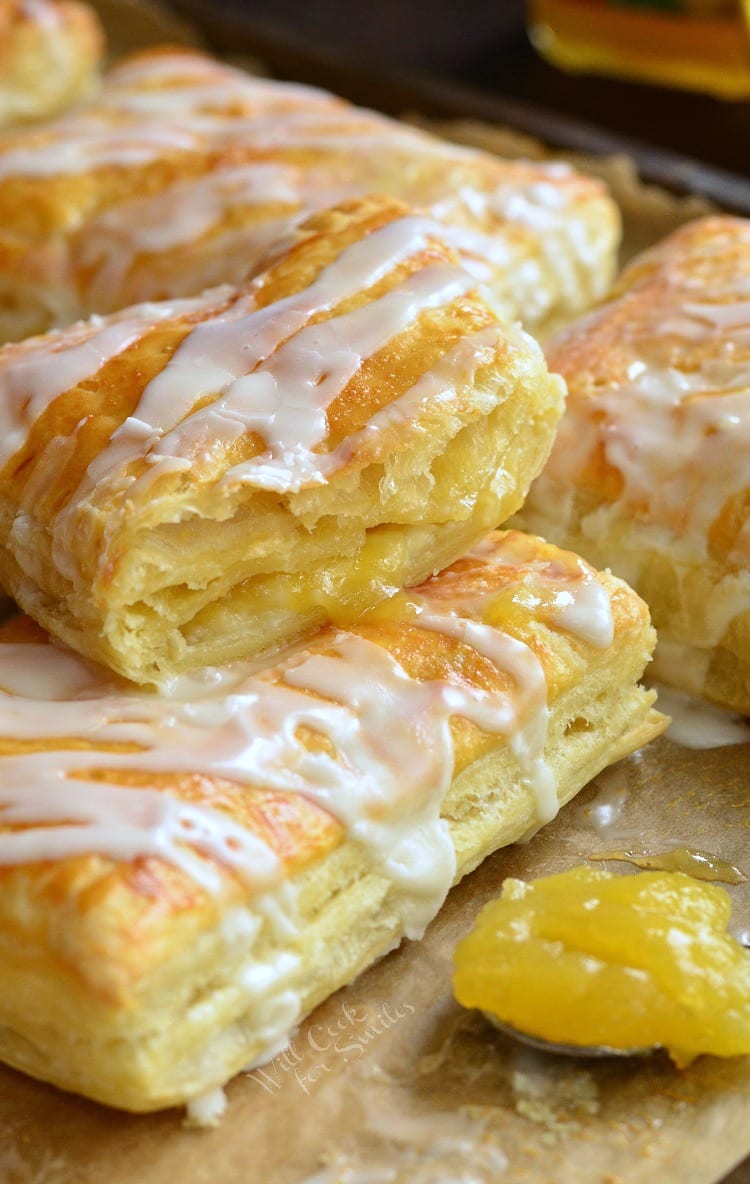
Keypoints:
(383, 768)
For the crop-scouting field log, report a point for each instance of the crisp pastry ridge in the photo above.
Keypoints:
(183, 169)
(51, 52)
(183, 877)
(188, 483)
(649, 472)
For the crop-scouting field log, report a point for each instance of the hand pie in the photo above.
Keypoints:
(183, 171)
(185, 484)
(50, 54)
(182, 878)
(650, 473)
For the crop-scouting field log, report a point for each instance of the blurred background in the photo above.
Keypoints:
(485, 44)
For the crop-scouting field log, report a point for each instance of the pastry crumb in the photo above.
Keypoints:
(555, 1105)
(206, 1110)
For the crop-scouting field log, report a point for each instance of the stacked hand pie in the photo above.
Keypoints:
(192, 482)
(292, 688)
(185, 875)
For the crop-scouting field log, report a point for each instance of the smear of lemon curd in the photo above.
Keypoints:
(628, 961)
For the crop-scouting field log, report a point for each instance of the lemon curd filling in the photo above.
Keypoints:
(626, 961)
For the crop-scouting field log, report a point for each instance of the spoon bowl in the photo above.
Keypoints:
(565, 1050)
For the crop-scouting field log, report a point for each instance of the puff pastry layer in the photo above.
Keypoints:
(649, 474)
(189, 483)
(183, 171)
(50, 55)
(183, 877)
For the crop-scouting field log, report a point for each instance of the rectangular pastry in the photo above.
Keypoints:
(183, 171)
(183, 484)
(183, 877)
(649, 473)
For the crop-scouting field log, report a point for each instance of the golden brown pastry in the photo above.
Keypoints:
(650, 473)
(183, 877)
(50, 55)
(189, 483)
(184, 170)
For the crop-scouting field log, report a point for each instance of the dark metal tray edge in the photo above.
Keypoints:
(290, 56)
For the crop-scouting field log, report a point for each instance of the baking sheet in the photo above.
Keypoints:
(390, 1081)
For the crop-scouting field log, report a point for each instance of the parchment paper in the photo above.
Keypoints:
(390, 1081)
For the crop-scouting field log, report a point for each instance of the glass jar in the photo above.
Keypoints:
(698, 44)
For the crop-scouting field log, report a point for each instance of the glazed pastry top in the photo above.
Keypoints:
(235, 777)
(358, 332)
(658, 418)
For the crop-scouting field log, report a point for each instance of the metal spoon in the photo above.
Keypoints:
(565, 1050)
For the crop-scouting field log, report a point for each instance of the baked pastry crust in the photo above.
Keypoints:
(50, 55)
(276, 845)
(187, 484)
(183, 170)
(649, 472)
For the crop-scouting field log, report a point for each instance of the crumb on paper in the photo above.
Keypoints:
(206, 1110)
(408, 1147)
(555, 1104)
(369, 1071)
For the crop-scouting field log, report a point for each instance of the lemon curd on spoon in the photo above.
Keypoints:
(593, 959)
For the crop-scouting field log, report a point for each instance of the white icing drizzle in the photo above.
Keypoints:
(697, 724)
(189, 209)
(129, 127)
(388, 768)
(501, 218)
(385, 776)
(586, 612)
(41, 12)
(206, 1110)
(61, 817)
(188, 105)
(667, 432)
(676, 427)
(286, 398)
(34, 373)
(89, 143)
(680, 434)
(527, 741)
(270, 372)
(199, 208)
(529, 200)
(195, 211)
(271, 986)
(579, 603)
(178, 70)
(379, 721)
(221, 103)
(726, 317)
(289, 472)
